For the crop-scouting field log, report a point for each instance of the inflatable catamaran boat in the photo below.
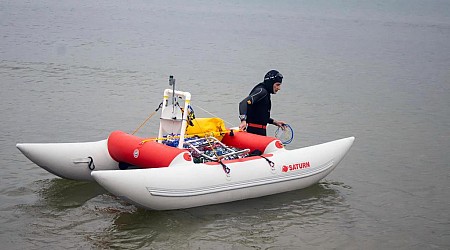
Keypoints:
(193, 161)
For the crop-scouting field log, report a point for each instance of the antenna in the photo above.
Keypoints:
(172, 83)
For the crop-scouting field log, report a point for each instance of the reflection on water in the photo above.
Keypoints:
(249, 222)
(68, 212)
(62, 194)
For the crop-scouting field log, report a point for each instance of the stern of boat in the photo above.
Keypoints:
(73, 161)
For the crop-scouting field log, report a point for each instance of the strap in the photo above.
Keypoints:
(271, 163)
(91, 164)
(254, 125)
(225, 168)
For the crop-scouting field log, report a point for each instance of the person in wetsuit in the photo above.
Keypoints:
(254, 110)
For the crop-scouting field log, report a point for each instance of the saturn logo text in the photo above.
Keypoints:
(296, 166)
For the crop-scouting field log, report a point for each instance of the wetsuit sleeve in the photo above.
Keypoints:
(243, 109)
(255, 96)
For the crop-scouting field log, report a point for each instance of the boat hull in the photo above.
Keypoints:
(190, 185)
(77, 160)
(73, 161)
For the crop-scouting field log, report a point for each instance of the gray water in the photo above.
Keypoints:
(377, 70)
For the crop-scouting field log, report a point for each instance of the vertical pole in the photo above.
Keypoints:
(187, 101)
(172, 83)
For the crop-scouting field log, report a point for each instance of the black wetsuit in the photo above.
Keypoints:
(256, 108)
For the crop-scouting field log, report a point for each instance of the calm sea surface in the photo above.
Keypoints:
(378, 70)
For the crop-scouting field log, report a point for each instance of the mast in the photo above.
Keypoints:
(173, 120)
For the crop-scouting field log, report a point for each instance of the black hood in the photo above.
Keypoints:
(268, 85)
(271, 78)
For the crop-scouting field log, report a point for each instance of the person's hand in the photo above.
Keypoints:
(243, 126)
(280, 124)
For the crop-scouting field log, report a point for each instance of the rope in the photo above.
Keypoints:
(176, 104)
(209, 143)
(148, 118)
(226, 169)
(285, 134)
(205, 134)
(214, 115)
